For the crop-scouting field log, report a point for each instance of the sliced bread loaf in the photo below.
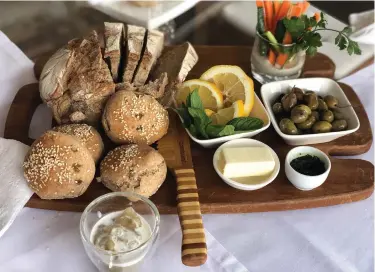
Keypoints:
(154, 88)
(113, 35)
(135, 36)
(79, 90)
(154, 46)
(177, 63)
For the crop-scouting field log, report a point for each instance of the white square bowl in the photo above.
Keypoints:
(258, 111)
(322, 86)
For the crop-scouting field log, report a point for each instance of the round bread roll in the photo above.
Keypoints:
(138, 168)
(58, 166)
(134, 118)
(87, 135)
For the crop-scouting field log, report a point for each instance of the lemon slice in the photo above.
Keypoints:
(223, 116)
(210, 95)
(233, 83)
(209, 112)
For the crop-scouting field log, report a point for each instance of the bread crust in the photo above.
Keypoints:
(87, 135)
(76, 82)
(131, 117)
(138, 168)
(58, 166)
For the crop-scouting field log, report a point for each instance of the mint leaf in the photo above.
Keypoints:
(246, 123)
(195, 100)
(228, 130)
(214, 131)
(193, 130)
(201, 121)
(188, 100)
(184, 114)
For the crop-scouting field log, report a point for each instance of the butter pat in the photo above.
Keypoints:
(237, 162)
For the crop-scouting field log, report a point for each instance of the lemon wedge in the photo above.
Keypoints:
(209, 112)
(234, 84)
(223, 116)
(209, 93)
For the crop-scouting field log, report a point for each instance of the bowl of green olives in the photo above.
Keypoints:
(309, 110)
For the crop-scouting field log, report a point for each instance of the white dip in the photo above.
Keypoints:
(120, 231)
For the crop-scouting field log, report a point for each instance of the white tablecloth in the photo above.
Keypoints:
(338, 238)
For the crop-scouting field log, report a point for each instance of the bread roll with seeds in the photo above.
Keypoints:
(138, 168)
(87, 135)
(58, 166)
(131, 117)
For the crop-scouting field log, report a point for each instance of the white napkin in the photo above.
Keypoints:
(14, 190)
(15, 72)
(363, 25)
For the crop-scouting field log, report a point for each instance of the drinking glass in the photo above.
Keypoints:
(274, 61)
(130, 260)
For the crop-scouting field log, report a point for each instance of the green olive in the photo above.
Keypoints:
(308, 123)
(321, 127)
(311, 100)
(298, 92)
(339, 125)
(338, 114)
(322, 106)
(316, 115)
(289, 101)
(331, 101)
(300, 113)
(327, 115)
(288, 127)
(277, 108)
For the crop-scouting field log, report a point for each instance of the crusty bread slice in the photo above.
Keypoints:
(177, 63)
(135, 36)
(154, 46)
(113, 35)
(154, 88)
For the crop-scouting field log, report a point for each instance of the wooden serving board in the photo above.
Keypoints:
(349, 180)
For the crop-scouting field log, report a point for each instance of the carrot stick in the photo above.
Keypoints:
(281, 59)
(287, 38)
(304, 5)
(317, 16)
(276, 6)
(268, 6)
(259, 3)
(271, 57)
(295, 11)
(283, 11)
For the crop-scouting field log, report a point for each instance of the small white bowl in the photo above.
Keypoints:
(322, 86)
(304, 182)
(247, 183)
(258, 111)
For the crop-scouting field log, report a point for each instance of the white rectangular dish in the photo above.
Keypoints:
(258, 111)
(322, 86)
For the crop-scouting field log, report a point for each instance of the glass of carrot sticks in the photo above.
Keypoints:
(274, 55)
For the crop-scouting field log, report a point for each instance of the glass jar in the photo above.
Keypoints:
(274, 61)
(130, 260)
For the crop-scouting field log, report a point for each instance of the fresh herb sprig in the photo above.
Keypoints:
(305, 33)
(200, 125)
